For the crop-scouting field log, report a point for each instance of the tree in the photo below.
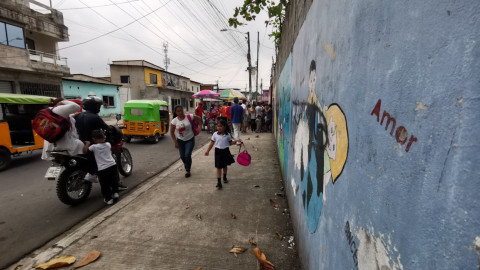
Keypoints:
(250, 9)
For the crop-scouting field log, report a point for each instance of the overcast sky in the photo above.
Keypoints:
(197, 48)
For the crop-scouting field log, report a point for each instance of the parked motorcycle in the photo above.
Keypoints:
(70, 171)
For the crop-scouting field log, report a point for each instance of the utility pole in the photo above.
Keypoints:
(166, 61)
(249, 65)
(258, 49)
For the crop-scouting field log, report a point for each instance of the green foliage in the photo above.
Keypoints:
(275, 11)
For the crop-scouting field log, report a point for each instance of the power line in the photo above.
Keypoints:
(95, 38)
(161, 37)
(141, 41)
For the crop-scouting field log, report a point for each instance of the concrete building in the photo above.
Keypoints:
(140, 79)
(29, 59)
(80, 86)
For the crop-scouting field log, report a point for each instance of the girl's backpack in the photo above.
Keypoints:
(50, 126)
(244, 157)
(194, 124)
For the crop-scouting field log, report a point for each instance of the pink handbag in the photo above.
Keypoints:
(194, 124)
(244, 157)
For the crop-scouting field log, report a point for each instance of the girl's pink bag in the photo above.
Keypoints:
(243, 158)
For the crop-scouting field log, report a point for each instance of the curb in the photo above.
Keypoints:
(58, 247)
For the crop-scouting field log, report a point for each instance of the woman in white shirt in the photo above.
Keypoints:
(69, 142)
(182, 134)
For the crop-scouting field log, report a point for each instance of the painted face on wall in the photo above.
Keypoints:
(332, 139)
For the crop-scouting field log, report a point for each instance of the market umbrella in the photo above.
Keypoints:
(206, 94)
(231, 94)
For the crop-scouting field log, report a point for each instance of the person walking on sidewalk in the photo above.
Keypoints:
(223, 158)
(182, 134)
(253, 117)
(199, 113)
(237, 114)
(107, 168)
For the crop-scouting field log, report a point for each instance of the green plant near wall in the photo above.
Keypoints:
(250, 9)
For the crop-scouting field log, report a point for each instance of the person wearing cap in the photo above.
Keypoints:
(237, 115)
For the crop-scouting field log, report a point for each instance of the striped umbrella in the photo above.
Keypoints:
(231, 94)
(206, 94)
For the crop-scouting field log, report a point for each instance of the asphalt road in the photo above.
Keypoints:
(30, 212)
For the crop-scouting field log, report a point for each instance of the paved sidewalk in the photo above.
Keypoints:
(151, 228)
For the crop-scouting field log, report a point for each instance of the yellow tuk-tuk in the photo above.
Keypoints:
(16, 134)
(145, 119)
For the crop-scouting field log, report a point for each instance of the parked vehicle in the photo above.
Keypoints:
(69, 171)
(145, 119)
(16, 134)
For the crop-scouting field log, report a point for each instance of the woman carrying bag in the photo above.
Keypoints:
(183, 130)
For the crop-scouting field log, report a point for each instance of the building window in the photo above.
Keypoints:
(192, 89)
(11, 35)
(124, 79)
(109, 101)
(191, 103)
(184, 86)
(40, 89)
(153, 78)
(197, 88)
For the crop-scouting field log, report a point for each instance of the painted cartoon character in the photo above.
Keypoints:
(316, 146)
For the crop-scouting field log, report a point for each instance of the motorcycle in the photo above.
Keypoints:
(69, 171)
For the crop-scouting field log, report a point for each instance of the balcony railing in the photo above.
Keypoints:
(47, 58)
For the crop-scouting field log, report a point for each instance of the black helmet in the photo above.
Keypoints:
(92, 104)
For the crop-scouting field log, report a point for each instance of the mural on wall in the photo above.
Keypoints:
(320, 148)
(283, 112)
(169, 80)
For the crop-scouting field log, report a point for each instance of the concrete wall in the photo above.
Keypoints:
(82, 90)
(377, 127)
(137, 83)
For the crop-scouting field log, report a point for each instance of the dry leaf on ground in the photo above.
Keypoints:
(266, 266)
(57, 262)
(233, 216)
(258, 136)
(252, 241)
(18, 267)
(238, 250)
(279, 235)
(199, 217)
(256, 186)
(188, 206)
(248, 139)
(261, 257)
(90, 257)
(274, 204)
(236, 256)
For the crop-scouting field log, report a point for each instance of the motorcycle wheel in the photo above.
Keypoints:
(124, 162)
(72, 189)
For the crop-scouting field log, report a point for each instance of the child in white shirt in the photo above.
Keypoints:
(223, 158)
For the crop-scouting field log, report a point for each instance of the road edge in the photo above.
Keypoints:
(47, 254)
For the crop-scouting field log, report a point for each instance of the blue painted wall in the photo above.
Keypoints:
(378, 125)
(84, 89)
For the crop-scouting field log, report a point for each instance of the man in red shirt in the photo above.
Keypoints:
(229, 116)
(199, 112)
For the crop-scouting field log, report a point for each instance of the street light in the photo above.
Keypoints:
(248, 57)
